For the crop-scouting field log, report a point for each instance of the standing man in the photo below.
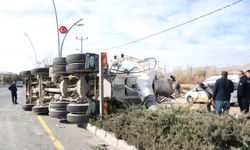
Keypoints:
(242, 93)
(177, 90)
(222, 93)
(247, 91)
(13, 90)
(209, 91)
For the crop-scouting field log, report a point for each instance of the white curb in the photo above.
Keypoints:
(109, 138)
(121, 144)
(100, 133)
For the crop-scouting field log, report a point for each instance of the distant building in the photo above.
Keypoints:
(4, 75)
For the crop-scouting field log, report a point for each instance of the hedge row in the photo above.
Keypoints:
(179, 128)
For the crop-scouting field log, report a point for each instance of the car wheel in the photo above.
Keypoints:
(190, 99)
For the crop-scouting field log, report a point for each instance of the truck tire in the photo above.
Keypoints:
(58, 105)
(78, 108)
(76, 67)
(75, 58)
(77, 118)
(25, 73)
(59, 61)
(40, 110)
(59, 69)
(40, 71)
(58, 114)
(27, 107)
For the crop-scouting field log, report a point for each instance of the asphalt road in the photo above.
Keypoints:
(21, 130)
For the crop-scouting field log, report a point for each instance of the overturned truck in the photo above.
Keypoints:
(69, 88)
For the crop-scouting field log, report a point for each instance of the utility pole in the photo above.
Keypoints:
(81, 39)
(101, 100)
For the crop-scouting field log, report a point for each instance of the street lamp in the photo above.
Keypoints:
(32, 60)
(33, 48)
(74, 24)
(60, 45)
(57, 26)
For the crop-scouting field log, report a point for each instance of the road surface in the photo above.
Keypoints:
(22, 130)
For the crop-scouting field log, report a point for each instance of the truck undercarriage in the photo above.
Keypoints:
(70, 87)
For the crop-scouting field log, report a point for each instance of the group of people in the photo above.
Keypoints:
(220, 93)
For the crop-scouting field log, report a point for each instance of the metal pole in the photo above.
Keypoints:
(57, 26)
(68, 32)
(32, 60)
(101, 100)
(81, 41)
(33, 48)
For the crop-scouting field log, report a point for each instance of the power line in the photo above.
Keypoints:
(176, 26)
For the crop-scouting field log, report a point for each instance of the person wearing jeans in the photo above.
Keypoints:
(222, 93)
(222, 105)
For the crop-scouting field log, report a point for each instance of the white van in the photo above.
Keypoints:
(19, 83)
(234, 78)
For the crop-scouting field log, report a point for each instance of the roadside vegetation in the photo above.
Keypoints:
(194, 75)
(9, 79)
(178, 128)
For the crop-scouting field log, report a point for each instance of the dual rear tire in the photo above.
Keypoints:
(79, 113)
(58, 109)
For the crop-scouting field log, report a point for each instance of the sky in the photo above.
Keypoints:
(220, 39)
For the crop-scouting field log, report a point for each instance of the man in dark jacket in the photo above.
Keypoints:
(247, 91)
(222, 93)
(13, 90)
(241, 92)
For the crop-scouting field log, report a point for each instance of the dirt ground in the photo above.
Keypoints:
(234, 110)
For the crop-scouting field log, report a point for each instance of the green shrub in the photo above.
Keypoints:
(179, 128)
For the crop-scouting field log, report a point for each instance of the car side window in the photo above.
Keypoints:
(199, 89)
